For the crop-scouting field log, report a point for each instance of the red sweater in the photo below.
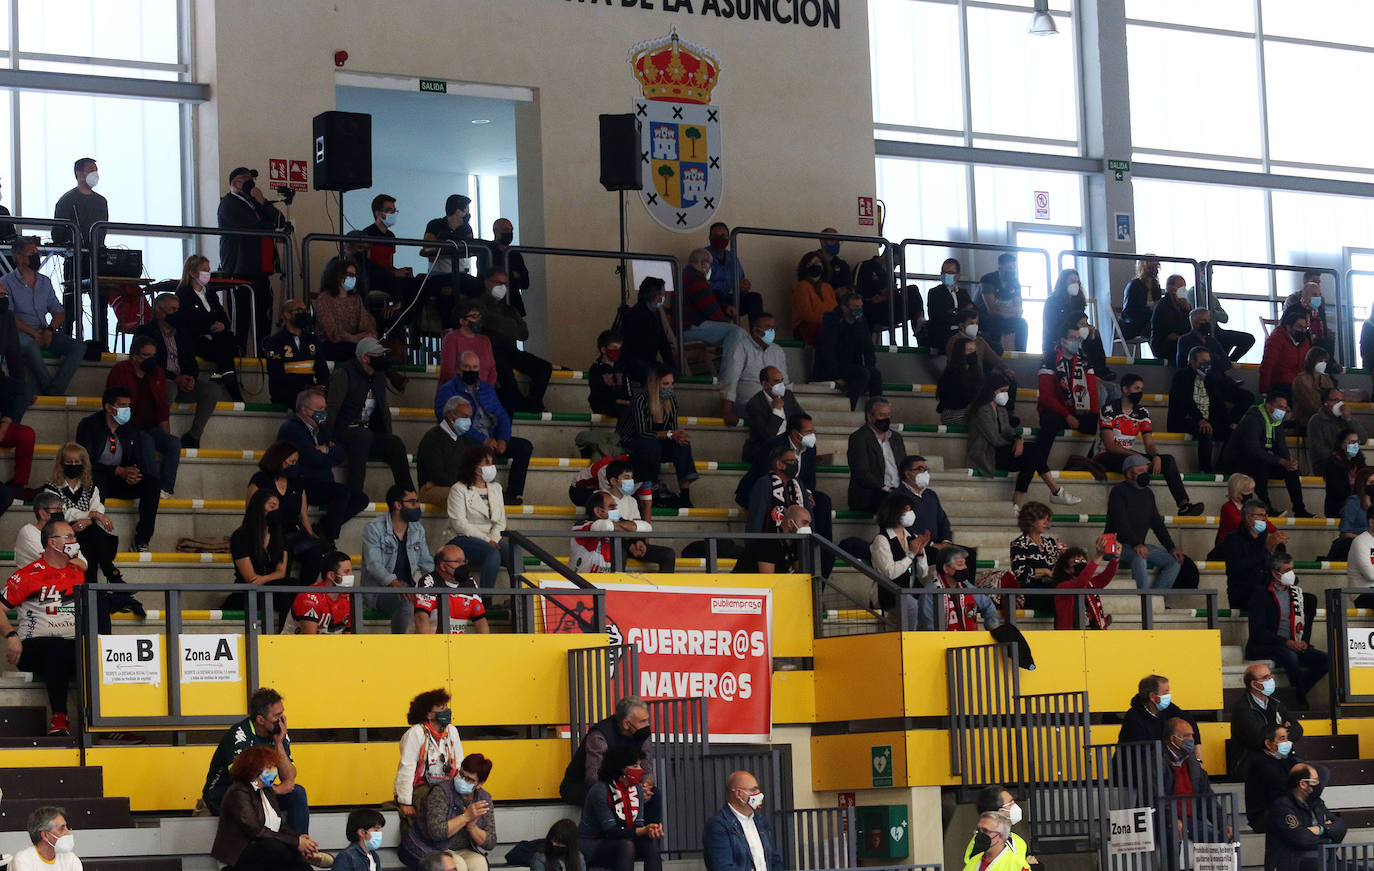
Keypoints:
(150, 393)
(1282, 360)
(1054, 395)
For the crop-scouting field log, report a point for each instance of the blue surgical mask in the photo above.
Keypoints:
(374, 839)
(462, 425)
(1165, 700)
(268, 777)
(1284, 748)
(1352, 449)
(627, 486)
(1259, 526)
(1279, 414)
(463, 787)
(123, 415)
(1316, 302)
(832, 249)
(769, 335)
(1268, 687)
(350, 282)
(613, 515)
(947, 279)
(389, 220)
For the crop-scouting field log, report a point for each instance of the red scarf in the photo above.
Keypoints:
(960, 613)
(1296, 618)
(624, 802)
(1071, 373)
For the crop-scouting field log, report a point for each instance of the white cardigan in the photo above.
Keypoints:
(472, 516)
(418, 744)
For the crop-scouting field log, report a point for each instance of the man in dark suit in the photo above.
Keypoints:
(875, 457)
(768, 411)
(252, 258)
(1205, 405)
(738, 837)
(1299, 824)
(1252, 712)
(111, 439)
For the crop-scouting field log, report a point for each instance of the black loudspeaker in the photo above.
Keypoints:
(620, 153)
(343, 151)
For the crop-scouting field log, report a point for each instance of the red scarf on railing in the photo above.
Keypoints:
(960, 613)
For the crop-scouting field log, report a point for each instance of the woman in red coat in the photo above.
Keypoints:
(1284, 352)
(1073, 570)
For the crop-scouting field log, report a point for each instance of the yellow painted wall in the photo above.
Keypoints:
(859, 677)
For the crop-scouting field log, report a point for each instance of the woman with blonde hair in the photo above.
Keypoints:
(203, 316)
(1239, 487)
(649, 432)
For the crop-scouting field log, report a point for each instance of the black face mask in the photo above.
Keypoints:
(1135, 396)
(814, 270)
(35, 261)
(72, 470)
(1317, 791)
(1299, 336)
(4, 303)
(411, 515)
(470, 379)
(981, 843)
(247, 188)
(148, 365)
(791, 469)
(303, 320)
(883, 424)
(274, 516)
(1204, 329)
(381, 364)
(641, 735)
(505, 238)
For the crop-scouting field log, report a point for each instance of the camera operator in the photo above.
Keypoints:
(250, 258)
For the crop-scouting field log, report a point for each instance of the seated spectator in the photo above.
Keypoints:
(39, 316)
(1256, 708)
(931, 519)
(998, 798)
(1205, 404)
(994, 443)
(1092, 350)
(613, 833)
(507, 329)
(1246, 553)
(874, 456)
(608, 379)
(1267, 775)
(465, 610)
(396, 554)
(1121, 422)
(1299, 824)
(1067, 399)
(477, 515)
(725, 267)
(1151, 709)
(1327, 424)
(467, 337)
(1359, 565)
(1202, 334)
(319, 454)
(1073, 570)
(72, 485)
(327, 611)
(254, 829)
(999, 302)
(341, 317)
(490, 425)
(944, 302)
(264, 728)
(646, 339)
(1035, 553)
(991, 846)
(1339, 470)
(703, 317)
(258, 548)
(560, 851)
(15, 398)
(618, 482)
(294, 359)
(740, 367)
(200, 314)
(591, 478)
(1281, 618)
(1184, 775)
(112, 443)
(844, 351)
(176, 357)
(42, 639)
(590, 554)
(441, 449)
(812, 297)
(1131, 515)
(772, 494)
(1240, 488)
(990, 360)
(357, 403)
(1139, 298)
(1170, 320)
(628, 725)
(960, 383)
(737, 836)
(1352, 516)
(364, 832)
(650, 434)
(766, 556)
(957, 611)
(28, 542)
(1284, 353)
(431, 751)
(1065, 305)
(1310, 386)
(1234, 344)
(1258, 447)
(151, 412)
(1308, 301)
(279, 473)
(768, 411)
(53, 844)
(899, 555)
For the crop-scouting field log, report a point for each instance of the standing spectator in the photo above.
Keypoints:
(1326, 425)
(395, 554)
(991, 848)
(619, 484)
(899, 555)
(490, 422)
(341, 318)
(362, 419)
(614, 831)
(1308, 301)
(628, 725)
(844, 351)
(1202, 405)
(1284, 353)
(990, 360)
(650, 434)
(725, 267)
(255, 829)
(1170, 320)
(252, 258)
(279, 473)
(1339, 470)
(1124, 420)
(838, 273)
(319, 454)
(294, 358)
(960, 383)
(467, 336)
(477, 515)
(112, 443)
(39, 316)
(264, 728)
(874, 456)
(1034, 553)
(997, 798)
(646, 339)
(325, 611)
(1073, 570)
(741, 365)
(944, 302)
(1065, 305)
(1246, 553)
(1067, 399)
(54, 845)
(465, 610)
(704, 319)
(1258, 447)
(364, 832)
(1299, 825)
(1281, 618)
(507, 329)
(147, 384)
(1131, 515)
(1254, 709)
(200, 313)
(1359, 565)
(503, 234)
(959, 611)
(738, 837)
(1310, 386)
(608, 379)
(43, 639)
(1139, 298)
(258, 549)
(768, 411)
(440, 451)
(431, 751)
(84, 207)
(999, 301)
(176, 357)
(811, 298)
(995, 444)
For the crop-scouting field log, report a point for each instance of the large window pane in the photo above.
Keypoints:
(136, 30)
(1021, 85)
(1310, 115)
(1345, 21)
(1222, 14)
(915, 57)
(925, 200)
(1193, 92)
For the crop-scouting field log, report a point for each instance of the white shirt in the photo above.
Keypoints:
(271, 820)
(751, 836)
(1359, 565)
(28, 545)
(28, 859)
(890, 477)
(629, 509)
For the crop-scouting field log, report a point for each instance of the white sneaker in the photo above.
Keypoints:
(1064, 497)
(1015, 510)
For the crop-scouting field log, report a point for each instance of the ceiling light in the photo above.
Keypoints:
(488, 120)
(1042, 22)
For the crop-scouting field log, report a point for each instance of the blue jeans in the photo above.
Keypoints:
(1157, 557)
(155, 439)
(714, 333)
(480, 553)
(69, 350)
(295, 810)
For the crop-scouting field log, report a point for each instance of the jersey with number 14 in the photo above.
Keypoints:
(46, 599)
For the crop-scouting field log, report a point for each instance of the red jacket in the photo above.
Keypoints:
(1282, 360)
(150, 393)
(1089, 578)
(1054, 398)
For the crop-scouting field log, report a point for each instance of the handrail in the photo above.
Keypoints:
(603, 254)
(1200, 287)
(771, 232)
(982, 246)
(76, 247)
(1341, 328)
(1338, 677)
(1009, 595)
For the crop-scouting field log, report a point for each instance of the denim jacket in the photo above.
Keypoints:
(379, 552)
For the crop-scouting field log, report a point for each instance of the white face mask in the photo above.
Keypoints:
(755, 801)
(1013, 811)
(488, 473)
(809, 440)
(92, 179)
(203, 278)
(1336, 409)
(499, 291)
(345, 580)
(1002, 398)
(803, 530)
(65, 844)
(706, 273)
(1320, 368)
(922, 481)
(778, 390)
(1288, 578)
(1074, 290)
(971, 331)
(71, 549)
(908, 518)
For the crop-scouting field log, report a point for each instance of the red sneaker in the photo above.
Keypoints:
(58, 728)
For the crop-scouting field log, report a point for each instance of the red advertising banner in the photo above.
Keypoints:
(694, 641)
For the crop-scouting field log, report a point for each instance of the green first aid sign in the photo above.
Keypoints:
(882, 765)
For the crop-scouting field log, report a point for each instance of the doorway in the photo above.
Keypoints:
(1031, 268)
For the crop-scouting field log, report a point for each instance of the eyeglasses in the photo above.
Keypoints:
(467, 778)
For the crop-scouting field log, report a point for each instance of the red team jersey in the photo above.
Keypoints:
(329, 610)
(463, 608)
(1121, 428)
(46, 599)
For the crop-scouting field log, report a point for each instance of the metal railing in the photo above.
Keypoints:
(1340, 693)
(602, 254)
(1124, 776)
(598, 677)
(983, 684)
(950, 244)
(1199, 285)
(1058, 767)
(1009, 613)
(1341, 329)
(1347, 857)
(817, 838)
(1190, 819)
(681, 741)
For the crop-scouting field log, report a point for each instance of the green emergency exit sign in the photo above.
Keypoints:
(434, 86)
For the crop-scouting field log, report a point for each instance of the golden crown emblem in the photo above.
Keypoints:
(672, 70)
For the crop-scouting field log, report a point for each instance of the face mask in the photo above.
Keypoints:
(856, 313)
(269, 777)
(720, 243)
(883, 424)
(832, 249)
(350, 282)
(1288, 578)
(274, 516)
(302, 320)
(411, 515)
(1187, 746)
(755, 801)
(1352, 449)
(122, 415)
(148, 365)
(71, 549)
(665, 393)
(1204, 329)
(769, 335)
(613, 515)
(706, 273)
(1001, 398)
(470, 378)
(641, 735)
(65, 844)
(463, 787)
(505, 238)
(92, 179)
(499, 292)
(947, 279)
(1267, 687)
(791, 469)
(389, 220)
(1284, 748)
(971, 331)
(1014, 812)
(1204, 368)
(34, 262)
(908, 518)
(475, 325)
(778, 390)
(922, 480)
(1279, 414)
(1317, 791)
(803, 530)
(1074, 288)
(1135, 396)
(809, 440)
(247, 188)
(461, 425)
(1320, 368)
(374, 839)
(203, 278)
(1299, 336)
(814, 270)
(72, 470)
(1073, 345)
(612, 354)
(627, 486)
(1259, 526)
(1142, 481)
(292, 470)
(488, 473)
(1164, 701)
(345, 580)
(981, 842)
(1316, 302)
(632, 777)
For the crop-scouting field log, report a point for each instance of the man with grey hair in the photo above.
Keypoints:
(362, 419)
(704, 319)
(991, 847)
(958, 611)
(318, 455)
(441, 447)
(439, 860)
(28, 544)
(176, 355)
(54, 845)
(629, 725)
(491, 424)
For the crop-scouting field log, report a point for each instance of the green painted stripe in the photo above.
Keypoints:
(562, 416)
(696, 379)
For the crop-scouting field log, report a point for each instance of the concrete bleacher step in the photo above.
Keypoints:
(135, 863)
